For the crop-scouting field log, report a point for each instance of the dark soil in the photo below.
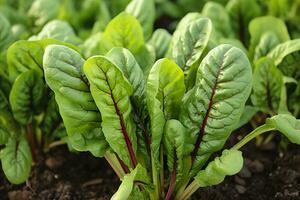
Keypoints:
(268, 174)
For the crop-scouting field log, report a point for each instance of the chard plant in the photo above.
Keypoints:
(158, 126)
(30, 122)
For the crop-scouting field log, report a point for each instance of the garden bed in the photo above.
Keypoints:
(268, 174)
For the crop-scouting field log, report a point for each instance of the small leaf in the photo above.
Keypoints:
(6, 36)
(260, 25)
(228, 164)
(266, 43)
(165, 89)
(16, 160)
(267, 84)
(288, 125)
(221, 22)
(63, 74)
(139, 174)
(111, 92)
(26, 96)
(24, 55)
(59, 30)
(175, 147)
(287, 56)
(123, 31)
(188, 45)
(144, 11)
(160, 40)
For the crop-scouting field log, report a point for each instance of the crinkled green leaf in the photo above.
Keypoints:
(123, 31)
(287, 57)
(267, 84)
(188, 45)
(63, 74)
(260, 25)
(165, 89)
(228, 164)
(24, 55)
(111, 92)
(160, 40)
(139, 174)
(144, 11)
(16, 160)
(266, 43)
(220, 21)
(6, 36)
(175, 147)
(125, 61)
(288, 125)
(213, 107)
(26, 96)
(59, 30)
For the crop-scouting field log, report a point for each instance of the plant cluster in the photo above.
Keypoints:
(157, 106)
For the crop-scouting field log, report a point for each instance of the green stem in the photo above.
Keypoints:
(114, 163)
(156, 182)
(191, 189)
(259, 130)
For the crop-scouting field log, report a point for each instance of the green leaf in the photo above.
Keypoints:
(240, 14)
(139, 174)
(165, 89)
(266, 43)
(160, 40)
(111, 92)
(123, 31)
(4, 135)
(188, 45)
(41, 13)
(125, 61)
(16, 160)
(287, 56)
(144, 11)
(283, 107)
(267, 84)
(221, 22)
(91, 46)
(146, 58)
(24, 55)
(26, 96)
(51, 119)
(213, 107)
(6, 37)
(59, 30)
(228, 164)
(288, 125)
(63, 74)
(175, 147)
(260, 25)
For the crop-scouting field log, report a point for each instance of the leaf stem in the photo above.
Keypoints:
(32, 141)
(114, 163)
(191, 189)
(259, 130)
(172, 180)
